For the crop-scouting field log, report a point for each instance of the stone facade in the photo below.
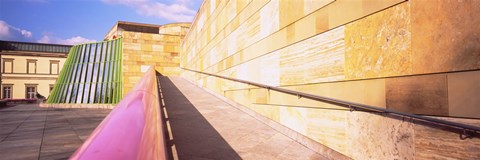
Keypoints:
(30, 65)
(395, 54)
(147, 45)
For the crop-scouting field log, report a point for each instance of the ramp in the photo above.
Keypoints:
(205, 127)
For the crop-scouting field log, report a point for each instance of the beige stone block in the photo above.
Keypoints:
(372, 6)
(445, 35)
(168, 48)
(131, 46)
(265, 45)
(294, 118)
(146, 36)
(241, 5)
(290, 11)
(379, 45)
(240, 96)
(248, 32)
(251, 8)
(231, 12)
(426, 94)
(322, 89)
(270, 111)
(157, 37)
(290, 33)
(259, 95)
(277, 39)
(464, 94)
(305, 27)
(157, 48)
(356, 9)
(127, 35)
(321, 21)
(337, 14)
(127, 40)
(374, 93)
(368, 92)
(313, 5)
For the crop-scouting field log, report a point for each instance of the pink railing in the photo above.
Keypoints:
(133, 130)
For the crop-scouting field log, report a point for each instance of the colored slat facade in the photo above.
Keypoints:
(91, 74)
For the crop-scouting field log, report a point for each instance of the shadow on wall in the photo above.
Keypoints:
(192, 136)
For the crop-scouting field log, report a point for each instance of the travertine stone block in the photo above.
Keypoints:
(464, 94)
(269, 66)
(435, 143)
(379, 45)
(426, 94)
(270, 111)
(300, 62)
(328, 128)
(372, 136)
(445, 35)
(294, 118)
(269, 18)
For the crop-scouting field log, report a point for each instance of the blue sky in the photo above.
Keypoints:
(80, 21)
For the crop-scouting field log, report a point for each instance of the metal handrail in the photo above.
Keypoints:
(468, 131)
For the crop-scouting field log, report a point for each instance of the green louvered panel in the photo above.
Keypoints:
(91, 74)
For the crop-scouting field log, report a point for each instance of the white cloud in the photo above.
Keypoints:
(26, 33)
(70, 41)
(178, 11)
(5, 29)
(75, 40)
(9, 32)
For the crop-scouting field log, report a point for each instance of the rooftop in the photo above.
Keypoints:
(30, 132)
(34, 47)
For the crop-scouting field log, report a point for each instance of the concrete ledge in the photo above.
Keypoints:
(298, 137)
(64, 105)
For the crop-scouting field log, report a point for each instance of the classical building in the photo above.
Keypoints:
(29, 68)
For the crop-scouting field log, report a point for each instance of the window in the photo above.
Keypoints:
(31, 66)
(51, 88)
(54, 67)
(30, 90)
(7, 65)
(7, 91)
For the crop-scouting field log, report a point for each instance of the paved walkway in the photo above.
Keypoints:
(205, 127)
(30, 132)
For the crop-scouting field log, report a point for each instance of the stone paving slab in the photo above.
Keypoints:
(30, 132)
(205, 127)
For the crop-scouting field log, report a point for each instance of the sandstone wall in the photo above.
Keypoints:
(412, 56)
(141, 50)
